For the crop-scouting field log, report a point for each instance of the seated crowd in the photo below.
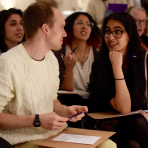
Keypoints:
(106, 68)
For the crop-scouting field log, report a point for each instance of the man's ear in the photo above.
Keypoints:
(45, 28)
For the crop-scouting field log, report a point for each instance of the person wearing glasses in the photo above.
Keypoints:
(139, 14)
(83, 35)
(117, 82)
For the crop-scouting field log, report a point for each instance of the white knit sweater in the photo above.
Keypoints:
(27, 87)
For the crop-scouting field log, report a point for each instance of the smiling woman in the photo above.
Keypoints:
(117, 82)
(11, 29)
(116, 37)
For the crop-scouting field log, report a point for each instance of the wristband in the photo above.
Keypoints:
(120, 79)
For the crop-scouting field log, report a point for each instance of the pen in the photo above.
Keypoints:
(132, 56)
(74, 50)
(75, 115)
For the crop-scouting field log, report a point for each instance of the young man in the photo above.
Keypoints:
(29, 80)
(29, 109)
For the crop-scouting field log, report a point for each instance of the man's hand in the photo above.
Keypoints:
(74, 109)
(52, 121)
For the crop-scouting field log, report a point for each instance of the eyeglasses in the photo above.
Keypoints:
(138, 21)
(81, 23)
(116, 33)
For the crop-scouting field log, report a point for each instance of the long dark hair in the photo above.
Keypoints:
(4, 15)
(94, 39)
(136, 71)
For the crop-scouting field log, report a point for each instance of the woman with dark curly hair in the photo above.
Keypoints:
(84, 35)
(117, 82)
(11, 29)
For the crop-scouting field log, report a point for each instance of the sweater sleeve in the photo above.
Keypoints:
(6, 84)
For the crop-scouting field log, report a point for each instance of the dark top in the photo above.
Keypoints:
(60, 56)
(144, 39)
(102, 89)
(100, 94)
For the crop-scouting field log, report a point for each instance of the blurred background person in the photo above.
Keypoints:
(139, 14)
(97, 8)
(11, 29)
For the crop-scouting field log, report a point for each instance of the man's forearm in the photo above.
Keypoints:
(59, 108)
(10, 121)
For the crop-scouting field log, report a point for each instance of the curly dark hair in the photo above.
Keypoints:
(94, 39)
(4, 15)
(104, 78)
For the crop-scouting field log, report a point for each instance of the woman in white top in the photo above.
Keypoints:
(83, 35)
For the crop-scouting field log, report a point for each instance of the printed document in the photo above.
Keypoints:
(76, 138)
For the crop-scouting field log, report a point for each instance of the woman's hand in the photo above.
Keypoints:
(69, 60)
(116, 59)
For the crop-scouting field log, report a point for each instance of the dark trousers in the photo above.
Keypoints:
(5, 144)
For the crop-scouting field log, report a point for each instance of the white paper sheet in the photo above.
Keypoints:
(76, 138)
